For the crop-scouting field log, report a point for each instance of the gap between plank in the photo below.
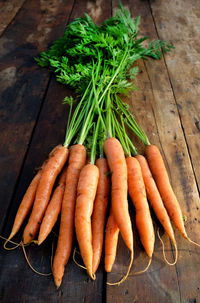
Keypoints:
(31, 137)
(13, 18)
(168, 171)
(177, 273)
(26, 154)
(173, 92)
(156, 121)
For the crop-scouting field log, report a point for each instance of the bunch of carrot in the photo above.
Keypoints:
(97, 159)
(81, 196)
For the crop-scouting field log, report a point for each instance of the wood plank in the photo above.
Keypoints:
(49, 131)
(156, 110)
(182, 29)
(76, 286)
(23, 84)
(176, 152)
(8, 10)
(155, 284)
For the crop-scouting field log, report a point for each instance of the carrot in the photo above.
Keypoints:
(155, 198)
(27, 200)
(77, 158)
(99, 212)
(117, 165)
(51, 170)
(111, 240)
(25, 204)
(53, 209)
(137, 193)
(161, 178)
(87, 186)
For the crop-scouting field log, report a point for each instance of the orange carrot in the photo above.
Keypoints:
(161, 178)
(99, 212)
(49, 174)
(137, 193)
(155, 198)
(26, 204)
(111, 240)
(117, 165)
(77, 158)
(27, 201)
(87, 186)
(53, 209)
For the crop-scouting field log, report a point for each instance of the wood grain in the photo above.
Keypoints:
(155, 104)
(8, 11)
(176, 150)
(182, 29)
(48, 132)
(155, 284)
(33, 120)
(23, 85)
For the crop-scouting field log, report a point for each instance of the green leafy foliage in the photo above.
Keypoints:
(97, 62)
(73, 56)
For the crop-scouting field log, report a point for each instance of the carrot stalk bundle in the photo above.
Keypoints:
(137, 193)
(53, 209)
(99, 212)
(111, 240)
(86, 191)
(77, 158)
(49, 174)
(99, 81)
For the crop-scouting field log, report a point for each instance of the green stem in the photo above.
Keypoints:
(101, 140)
(74, 124)
(115, 74)
(94, 143)
(125, 136)
(96, 97)
(120, 135)
(126, 142)
(108, 116)
(88, 118)
(130, 121)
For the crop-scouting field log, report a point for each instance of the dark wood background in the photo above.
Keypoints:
(33, 120)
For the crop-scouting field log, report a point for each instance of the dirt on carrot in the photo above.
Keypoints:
(99, 212)
(77, 159)
(50, 172)
(137, 193)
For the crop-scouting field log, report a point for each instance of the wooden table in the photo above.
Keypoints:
(33, 120)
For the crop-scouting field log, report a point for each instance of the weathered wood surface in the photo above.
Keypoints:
(32, 121)
(23, 85)
(158, 112)
(8, 11)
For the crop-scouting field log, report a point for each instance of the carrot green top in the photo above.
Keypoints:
(97, 62)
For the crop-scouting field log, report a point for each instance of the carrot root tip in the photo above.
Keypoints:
(193, 242)
(74, 259)
(163, 249)
(29, 264)
(143, 270)
(126, 275)
(92, 275)
(7, 240)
